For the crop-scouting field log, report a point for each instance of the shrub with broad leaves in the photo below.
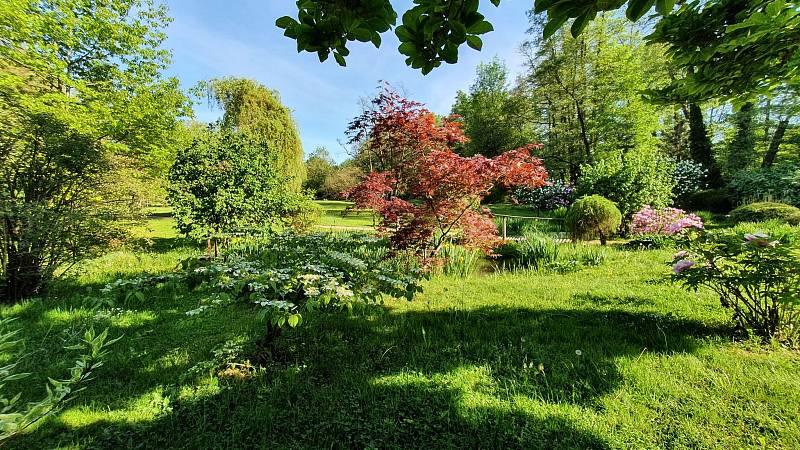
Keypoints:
(288, 276)
(754, 274)
(689, 177)
(780, 183)
(665, 221)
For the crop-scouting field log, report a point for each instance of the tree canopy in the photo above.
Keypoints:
(495, 117)
(253, 108)
(224, 181)
(83, 97)
(708, 39)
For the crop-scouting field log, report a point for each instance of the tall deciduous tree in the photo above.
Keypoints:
(495, 117)
(709, 36)
(252, 108)
(82, 95)
(319, 165)
(588, 91)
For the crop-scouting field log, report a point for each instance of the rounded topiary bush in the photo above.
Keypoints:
(593, 216)
(763, 211)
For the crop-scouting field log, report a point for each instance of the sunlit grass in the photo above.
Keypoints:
(612, 356)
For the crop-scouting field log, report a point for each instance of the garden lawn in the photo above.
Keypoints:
(608, 357)
(332, 215)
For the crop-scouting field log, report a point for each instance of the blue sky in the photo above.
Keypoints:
(239, 38)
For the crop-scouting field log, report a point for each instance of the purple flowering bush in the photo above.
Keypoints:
(754, 274)
(557, 194)
(666, 221)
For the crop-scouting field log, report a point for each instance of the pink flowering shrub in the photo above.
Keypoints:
(667, 221)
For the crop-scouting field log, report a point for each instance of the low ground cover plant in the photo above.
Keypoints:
(755, 274)
(288, 276)
(540, 252)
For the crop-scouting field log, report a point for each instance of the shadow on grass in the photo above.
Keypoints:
(433, 379)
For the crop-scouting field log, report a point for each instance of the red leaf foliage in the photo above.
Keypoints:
(426, 193)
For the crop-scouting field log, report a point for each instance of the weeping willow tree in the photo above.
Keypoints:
(257, 110)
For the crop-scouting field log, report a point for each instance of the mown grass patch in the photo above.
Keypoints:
(611, 356)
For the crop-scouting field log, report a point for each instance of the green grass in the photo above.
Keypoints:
(608, 357)
(332, 215)
(509, 209)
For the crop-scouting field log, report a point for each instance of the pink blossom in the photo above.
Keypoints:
(667, 221)
(681, 254)
(682, 265)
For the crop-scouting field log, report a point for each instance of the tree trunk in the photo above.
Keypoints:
(777, 139)
(23, 277)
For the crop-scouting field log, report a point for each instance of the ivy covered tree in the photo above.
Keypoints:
(82, 97)
(742, 148)
(700, 149)
(250, 107)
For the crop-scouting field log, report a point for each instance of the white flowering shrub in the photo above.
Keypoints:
(689, 177)
(288, 276)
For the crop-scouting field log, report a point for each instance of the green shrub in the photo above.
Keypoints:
(302, 213)
(715, 200)
(779, 183)
(759, 212)
(593, 216)
(755, 275)
(226, 181)
(288, 276)
(631, 181)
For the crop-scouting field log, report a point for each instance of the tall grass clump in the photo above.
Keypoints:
(459, 262)
(535, 251)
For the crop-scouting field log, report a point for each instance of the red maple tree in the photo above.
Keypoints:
(425, 193)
